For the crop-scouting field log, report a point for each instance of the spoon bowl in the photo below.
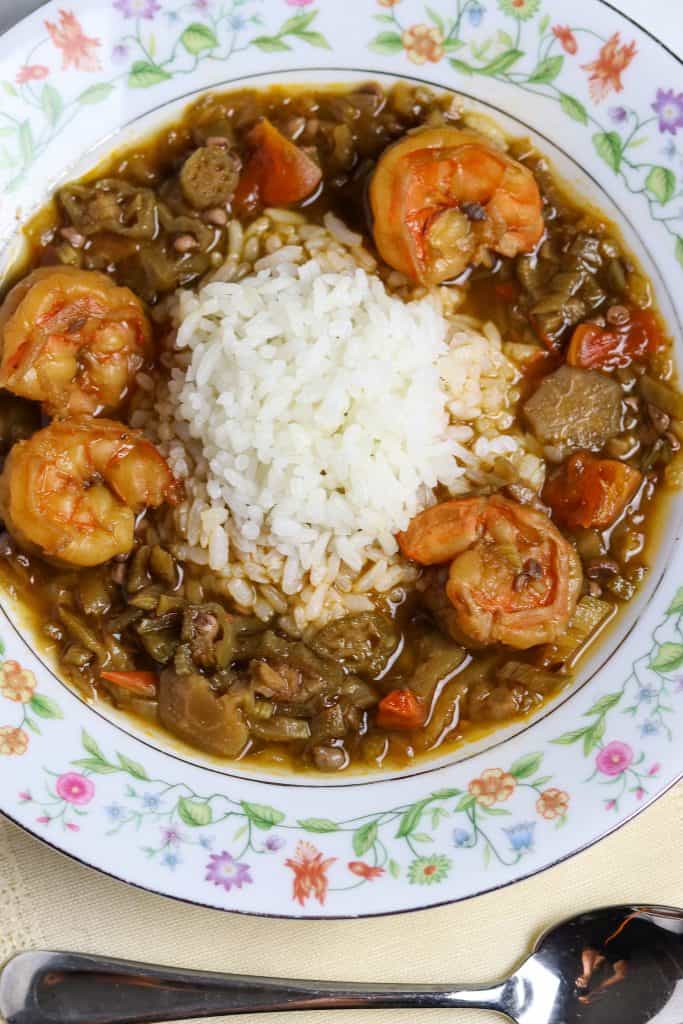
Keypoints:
(621, 963)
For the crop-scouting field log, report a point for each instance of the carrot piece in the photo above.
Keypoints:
(142, 684)
(594, 347)
(401, 709)
(276, 172)
(590, 492)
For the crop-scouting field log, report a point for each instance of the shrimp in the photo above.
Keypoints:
(73, 490)
(441, 198)
(513, 578)
(72, 340)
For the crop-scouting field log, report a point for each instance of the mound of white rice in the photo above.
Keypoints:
(317, 401)
(312, 411)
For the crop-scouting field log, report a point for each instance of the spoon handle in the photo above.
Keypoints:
(41, 987)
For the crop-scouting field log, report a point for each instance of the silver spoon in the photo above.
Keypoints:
(619, 964)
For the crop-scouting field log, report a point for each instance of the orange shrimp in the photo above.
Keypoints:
(73, 490)
(441, 198)
(72, 340)
(513, 579)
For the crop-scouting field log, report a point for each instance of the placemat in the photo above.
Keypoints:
(49, 901)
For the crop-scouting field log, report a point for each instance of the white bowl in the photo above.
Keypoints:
(123, 800)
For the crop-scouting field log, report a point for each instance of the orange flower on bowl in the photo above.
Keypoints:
(387, 3)
(31, 73)
(493, 786)
(78, 50)
(553, 803)
(605, 72)
(16, 683)
(310, 873)
(423, 43)
(13, 741)
(566, 38)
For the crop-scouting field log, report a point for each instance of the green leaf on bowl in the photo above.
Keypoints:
(573, 108)
(314, 39)
(144, 74)
(91, 746)
(9, 89)
(394, 868)
(547, 70)
(93, 764)
(410, 819)
(26, 142)
(270, 44)
(543, 24)
(44, 706)
(676, 606)
(679, 253)
(668, 658)
(133, 768)
(571, 737)
(494, 810)
(297, 23)
(608, 146)
(95, 93)
(198, 37)
(593, 735)
(387, 43)
(465, 802)
(603, 704)
(51, 102)
(261, 815)
(318, 825)
(525, 766)
(364, 838)
(194, 812)
(503, 62)
(661, 183)
(422, 837)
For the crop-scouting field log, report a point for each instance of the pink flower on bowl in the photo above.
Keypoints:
(75, 788)
(614, 758)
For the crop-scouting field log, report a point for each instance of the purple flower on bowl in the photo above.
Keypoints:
(654, 768)
(119, 53)
(614, 758)
(521, 836)
(137, 8)
(475, 14)
(669, 108)
(274, 843)
(202, 5)
(75, 788)
(227, 872)
(171, 836)
(618, 114)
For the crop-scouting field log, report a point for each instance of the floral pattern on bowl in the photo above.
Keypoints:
(71, 75)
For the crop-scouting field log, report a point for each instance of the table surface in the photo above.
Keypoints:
(49, 901)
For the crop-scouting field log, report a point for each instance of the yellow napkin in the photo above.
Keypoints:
(49, 901)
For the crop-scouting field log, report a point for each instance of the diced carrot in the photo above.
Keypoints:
(594, 347)
(401, 709)
(276, 172)
(590, 492)
(142, 684)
